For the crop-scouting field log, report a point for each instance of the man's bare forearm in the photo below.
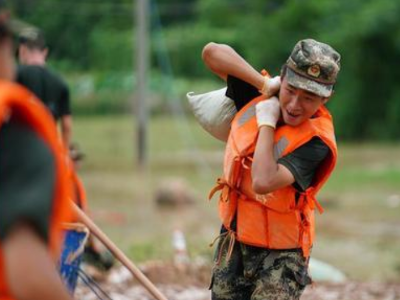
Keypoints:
(66, 130)
(223, 60)
(267, 174)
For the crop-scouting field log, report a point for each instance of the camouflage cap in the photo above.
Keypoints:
(313, 66)
(32, 37)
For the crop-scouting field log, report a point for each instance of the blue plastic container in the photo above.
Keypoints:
(71, 256)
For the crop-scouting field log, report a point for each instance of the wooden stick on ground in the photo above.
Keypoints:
(118, 254)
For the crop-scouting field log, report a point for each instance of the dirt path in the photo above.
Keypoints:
(347, 291)
(190, 283)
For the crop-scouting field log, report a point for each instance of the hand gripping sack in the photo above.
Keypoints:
(214, 111)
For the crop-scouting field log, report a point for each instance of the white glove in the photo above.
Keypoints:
(268, 112)
(271, 86)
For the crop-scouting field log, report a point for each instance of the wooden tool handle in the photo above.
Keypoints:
(118, 254)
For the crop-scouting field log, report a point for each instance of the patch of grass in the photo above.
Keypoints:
(141, 252)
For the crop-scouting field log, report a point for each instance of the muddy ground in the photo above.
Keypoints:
(191, 283)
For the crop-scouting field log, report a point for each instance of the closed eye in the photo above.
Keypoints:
(290, 91)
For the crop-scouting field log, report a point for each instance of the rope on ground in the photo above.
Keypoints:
(93, 286)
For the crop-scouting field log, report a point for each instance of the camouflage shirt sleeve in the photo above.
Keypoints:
(27, 172)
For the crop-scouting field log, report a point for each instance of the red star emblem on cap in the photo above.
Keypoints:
(314, 71)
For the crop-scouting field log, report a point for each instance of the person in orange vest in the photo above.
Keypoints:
(95, 254)
(34, 187)
(280, 151)
(76, 156)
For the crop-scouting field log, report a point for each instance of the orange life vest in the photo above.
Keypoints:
(18, 101)
(79, 193)
(285, 218)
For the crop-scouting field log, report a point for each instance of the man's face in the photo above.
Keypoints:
(31, 56)
(298, 105)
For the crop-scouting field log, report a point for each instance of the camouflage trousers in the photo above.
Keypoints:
(257, 273)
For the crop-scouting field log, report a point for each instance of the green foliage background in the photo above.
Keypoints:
(93, 41)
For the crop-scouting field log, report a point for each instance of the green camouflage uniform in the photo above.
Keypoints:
(257, 273)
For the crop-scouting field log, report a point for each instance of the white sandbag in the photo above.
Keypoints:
(214, 111)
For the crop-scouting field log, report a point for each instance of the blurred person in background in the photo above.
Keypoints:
(280, 151)
(53, 91)
(95, 255)
(47, 85)
(35, 191)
